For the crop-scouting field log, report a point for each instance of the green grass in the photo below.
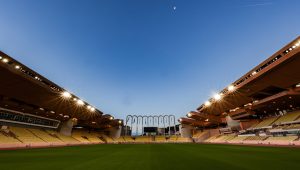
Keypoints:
(152, 156)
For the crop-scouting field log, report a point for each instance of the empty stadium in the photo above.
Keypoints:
(251, 123)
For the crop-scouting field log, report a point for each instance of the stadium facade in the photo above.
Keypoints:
(262, 107)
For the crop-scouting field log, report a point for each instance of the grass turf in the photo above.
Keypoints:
(152, 156)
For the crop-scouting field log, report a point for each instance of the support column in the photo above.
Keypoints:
(185, 130)
(67, 126)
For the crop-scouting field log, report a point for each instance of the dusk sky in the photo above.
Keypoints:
(142, 56)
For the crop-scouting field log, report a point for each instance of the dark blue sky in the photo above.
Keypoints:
(141, 56)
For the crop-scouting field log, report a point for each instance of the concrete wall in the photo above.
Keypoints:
(115, 132)
(67, 126)
(185, 130)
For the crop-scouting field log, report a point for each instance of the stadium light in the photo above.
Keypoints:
(230, 88)
(206, 120)
(189, 115)
(1, 57)
(217, 96)
(80, 102)
(120, 121)
(111, 118)
(17, 67)
(66, 94)
(92, 109)
(5, 60)
(253, 73)
(89, 107)
(75, 99)
(207, 103)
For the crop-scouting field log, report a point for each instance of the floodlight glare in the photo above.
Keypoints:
(5, 60)
(231, 88)
(207, 103)
(66, 94)
(217, 97)
(80, 102)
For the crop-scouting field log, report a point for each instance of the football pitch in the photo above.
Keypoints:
(152, 156)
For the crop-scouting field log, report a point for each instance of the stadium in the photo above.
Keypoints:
(253, 123)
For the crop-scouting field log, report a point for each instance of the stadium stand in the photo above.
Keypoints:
(128, 139)
(45, 136)
(237, 139)
(26, 136)
(250, 114)
(265, 123)
(281, 140)
(160, 139)
(66, 139)
(143, 139)
(289, 117)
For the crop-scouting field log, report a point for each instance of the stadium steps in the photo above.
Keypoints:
(160, 139)
(45, 136)
(280, 140)
(64, 138)
(7, 138)
(25, 136)
(266, 122)
(289, 117)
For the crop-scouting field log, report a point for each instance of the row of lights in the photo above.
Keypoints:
(219, 96)
(64, 94)
(297, 44)
(79, 102)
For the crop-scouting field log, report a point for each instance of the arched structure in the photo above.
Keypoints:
(136, 122)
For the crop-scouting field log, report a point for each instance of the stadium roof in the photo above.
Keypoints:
(270, 86)
(23, 89)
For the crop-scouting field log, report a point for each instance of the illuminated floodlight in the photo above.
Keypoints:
(92, 109)
(189, 115)
(297, 44)
(111, 118)
(75, 99)
(230, 88)
(17, 67)
(217, 97)
(206, 120)
(207, 103)
(80, 102)
(180, 120)
(1, 57)
(5, 60)
(66, 94)
(120, 121)
(253, 73)
(89, 107)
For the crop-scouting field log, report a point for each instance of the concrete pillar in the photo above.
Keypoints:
(115, 132)
(67, 126)
(185, 130)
